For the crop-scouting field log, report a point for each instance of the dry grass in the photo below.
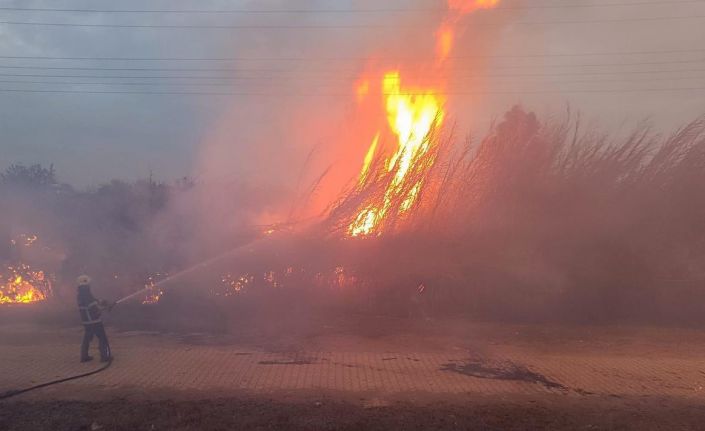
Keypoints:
(546, 219)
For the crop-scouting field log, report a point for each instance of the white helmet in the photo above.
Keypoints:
(83, 280)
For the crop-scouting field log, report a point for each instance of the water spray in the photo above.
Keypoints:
(269, 228)
(184, 272)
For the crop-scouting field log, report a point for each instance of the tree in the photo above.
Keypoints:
(33, 175)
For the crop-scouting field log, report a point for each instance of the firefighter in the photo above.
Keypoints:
(90, 310)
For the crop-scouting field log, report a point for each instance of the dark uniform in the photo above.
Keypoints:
(90, 309)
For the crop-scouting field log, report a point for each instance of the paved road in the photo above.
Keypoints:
(155, 365)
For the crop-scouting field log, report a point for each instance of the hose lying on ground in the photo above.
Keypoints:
(13, 393)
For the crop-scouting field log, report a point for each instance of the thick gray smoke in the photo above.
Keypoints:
(539, 219)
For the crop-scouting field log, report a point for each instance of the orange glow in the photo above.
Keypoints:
(362, 90)
(235, 284)
(153, 295)
(467, 6)
(411, 115)
(368, 160)
(23, 285)
(445, 39)
(445, 36)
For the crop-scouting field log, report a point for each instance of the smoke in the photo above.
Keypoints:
(305, 121)
(539, 219)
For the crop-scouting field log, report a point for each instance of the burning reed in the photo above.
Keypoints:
(537, 220)
(548, 220)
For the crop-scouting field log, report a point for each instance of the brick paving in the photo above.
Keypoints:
(154, 364)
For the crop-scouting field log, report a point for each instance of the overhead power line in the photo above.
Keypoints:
(452, 57)
(269, 82)
(282, 94)
(257, 70)
(338, 11)
(330, 26)
(339, 76)
(186, 84)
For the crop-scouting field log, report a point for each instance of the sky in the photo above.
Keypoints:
(281, 85)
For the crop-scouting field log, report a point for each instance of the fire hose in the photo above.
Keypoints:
(16, 392)
(179, 274)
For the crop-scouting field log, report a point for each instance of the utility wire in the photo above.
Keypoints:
(625, 72)
(453, 57)
(342, 77)
(257, 70)
(230, 84)
(332, 27)
(281, 94)
(337, 11)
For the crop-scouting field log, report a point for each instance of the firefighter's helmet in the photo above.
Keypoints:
(83, 280)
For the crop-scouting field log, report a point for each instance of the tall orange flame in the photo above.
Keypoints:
(412, 113)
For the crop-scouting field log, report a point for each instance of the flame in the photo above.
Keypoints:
(445, 37)
(19, 282)
(29, 239)
(368, 160)
(342, 278)
(153, 294)
(411, 115)
(234, 284)
(23, 285)
(152, 297)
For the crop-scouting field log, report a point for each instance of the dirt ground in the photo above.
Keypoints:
(358, 372)
(473, 413)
